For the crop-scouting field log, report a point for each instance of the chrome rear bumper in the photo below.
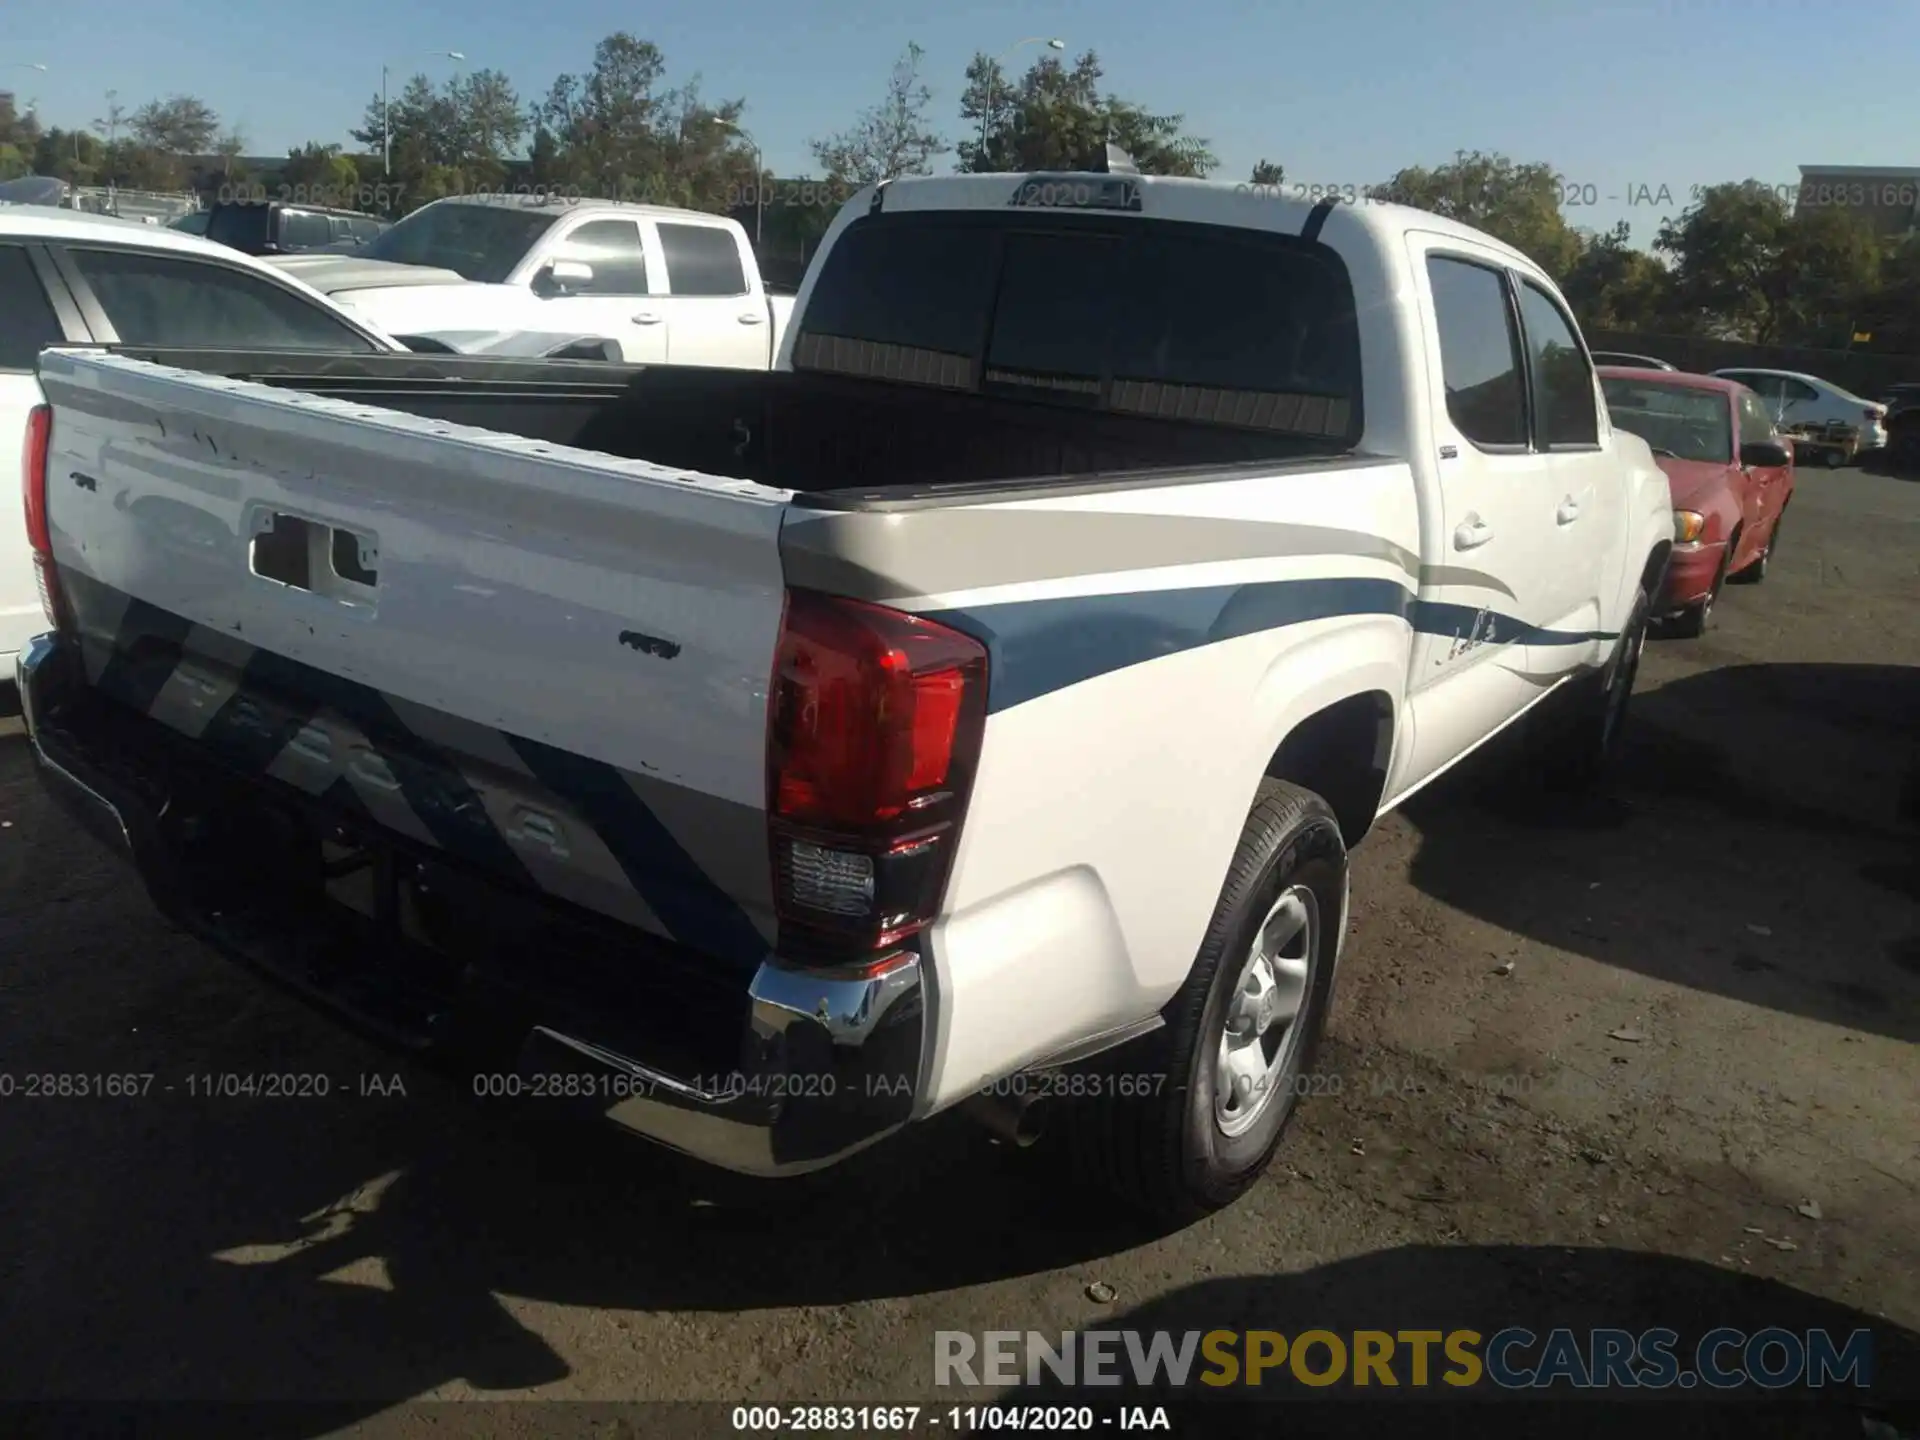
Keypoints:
(827, 1062)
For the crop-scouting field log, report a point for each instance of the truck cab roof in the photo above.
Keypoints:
(1208, 202)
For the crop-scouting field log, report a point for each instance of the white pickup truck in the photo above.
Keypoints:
(991, 693)
(673, 287)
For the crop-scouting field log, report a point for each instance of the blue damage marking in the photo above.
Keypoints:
(145, 652)
(277, 696)
(1434, 617)
(674, 887)
(1036, 647)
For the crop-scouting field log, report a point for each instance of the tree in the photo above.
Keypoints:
(1892, 313)
(228, 148)
(619, 131)
(178, 125)
(1267, 175)
(1612, 286)
(1827, 275)
(1726, 250)
(892, 138)
(71, 155)
(1514, 202)
(1060, 119)
(320, 170)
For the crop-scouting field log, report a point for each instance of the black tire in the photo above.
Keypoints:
(1757, 571)
(1164, 1152)
(1577, 742)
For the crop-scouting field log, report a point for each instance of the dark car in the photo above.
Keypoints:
(276, 227)
(1903, 424)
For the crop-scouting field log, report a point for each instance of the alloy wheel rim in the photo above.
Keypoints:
(1261, 1036)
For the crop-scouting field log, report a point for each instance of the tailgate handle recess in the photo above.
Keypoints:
(314, 556)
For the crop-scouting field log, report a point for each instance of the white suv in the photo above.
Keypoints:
(67, 277)
(1797, 399)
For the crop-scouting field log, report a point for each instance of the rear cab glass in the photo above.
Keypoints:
(243, 226)
(1172, 320)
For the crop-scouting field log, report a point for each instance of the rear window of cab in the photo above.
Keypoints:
(1193, 322)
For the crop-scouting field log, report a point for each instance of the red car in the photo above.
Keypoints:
(1730, 472)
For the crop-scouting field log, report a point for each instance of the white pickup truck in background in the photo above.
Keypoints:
(673, 287)
(992, 691)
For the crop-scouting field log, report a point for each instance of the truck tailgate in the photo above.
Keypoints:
(548, 662)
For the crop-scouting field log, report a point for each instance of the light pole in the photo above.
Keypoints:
(27, 65)
(386, 112)
(759, 175)
(113, 132)
(986, 111)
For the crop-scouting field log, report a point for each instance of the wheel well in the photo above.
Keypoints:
(1341, 753)
(1656, 568)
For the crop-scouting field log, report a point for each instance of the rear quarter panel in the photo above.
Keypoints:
(1150, 649)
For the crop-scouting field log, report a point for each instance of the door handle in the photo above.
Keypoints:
(1473, 533)
(646, 317)
(750, 317)
(1568, 512)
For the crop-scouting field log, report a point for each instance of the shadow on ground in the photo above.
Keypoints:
(419, 1214)
(1759, 840)
(1492, 1288)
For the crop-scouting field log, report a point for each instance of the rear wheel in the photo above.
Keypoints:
(1576, 742)
(1185, 1121)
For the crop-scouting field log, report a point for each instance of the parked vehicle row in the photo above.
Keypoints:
(672, 287)
(748, 741)
(276, 227)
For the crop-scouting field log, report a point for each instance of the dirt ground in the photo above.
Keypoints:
(1596, 1066)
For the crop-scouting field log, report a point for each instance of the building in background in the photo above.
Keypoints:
(1887, 195)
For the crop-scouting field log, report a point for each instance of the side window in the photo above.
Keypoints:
(702, 260)
(1756, 425)
(304, 230)
(1479, 352)
(1562, 379)
(188, 304)
(1799, 390)
(612, 248)
(27, 322)
(1767, 387)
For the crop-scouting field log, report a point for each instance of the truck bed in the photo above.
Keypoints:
(838, 440)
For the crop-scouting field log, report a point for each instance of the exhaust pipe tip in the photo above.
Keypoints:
(1018, 1119)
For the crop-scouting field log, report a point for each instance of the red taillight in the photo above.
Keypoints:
(33, 494)
(875, 719)
(33, 478)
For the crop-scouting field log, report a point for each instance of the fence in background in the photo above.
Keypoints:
(1861, 371)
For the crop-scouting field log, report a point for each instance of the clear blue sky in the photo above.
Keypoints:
(1617, 94)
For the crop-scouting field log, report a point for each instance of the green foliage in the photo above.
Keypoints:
(1747, 267)
(1055, 118)
(1612, 286)
(1512, 201)
(1268, 174)
(619, 131)
(892, 138)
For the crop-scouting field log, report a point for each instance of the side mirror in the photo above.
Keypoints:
(561, 276)
(1764, 455)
